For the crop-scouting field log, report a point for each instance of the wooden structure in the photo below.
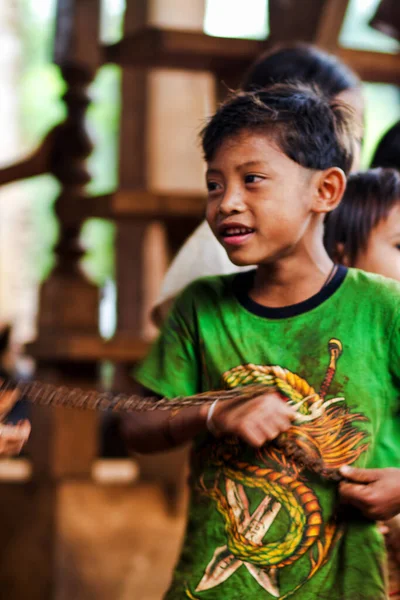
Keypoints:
(171, 74)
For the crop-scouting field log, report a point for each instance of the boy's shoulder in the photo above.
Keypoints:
(206, 288)
(374, 288)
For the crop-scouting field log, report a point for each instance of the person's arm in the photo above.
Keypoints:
(155, 431)
(255, 421)
(173, 368)
(13, 437)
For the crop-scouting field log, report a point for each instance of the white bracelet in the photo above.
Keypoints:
(209, 423)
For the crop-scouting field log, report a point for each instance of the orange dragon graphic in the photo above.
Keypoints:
(325, 430)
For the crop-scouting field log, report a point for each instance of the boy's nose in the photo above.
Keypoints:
(232, 202)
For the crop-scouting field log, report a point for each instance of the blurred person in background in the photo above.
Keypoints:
(14, 433)
(387, 153)
(364, 232)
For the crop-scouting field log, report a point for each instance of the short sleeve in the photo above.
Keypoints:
(172, 366)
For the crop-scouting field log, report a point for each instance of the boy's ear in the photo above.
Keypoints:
(339, 255)
(329, 189)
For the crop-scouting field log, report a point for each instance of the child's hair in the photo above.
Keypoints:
(311, 130)
(387, 153)
(369, 197)
(301, 62)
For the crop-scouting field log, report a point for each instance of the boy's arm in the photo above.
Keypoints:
(375, 492)
(173, 368)
(255, 421)
(159, 430)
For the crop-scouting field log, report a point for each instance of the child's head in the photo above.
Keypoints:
(311, 65)
(387, 153)
(277, 160)
(364, 230)
(305, 63)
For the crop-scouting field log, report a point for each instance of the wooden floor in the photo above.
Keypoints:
(115, 542)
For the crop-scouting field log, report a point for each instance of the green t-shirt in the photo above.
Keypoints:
(260, 525)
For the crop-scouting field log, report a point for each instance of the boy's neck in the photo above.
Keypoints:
(291, 280)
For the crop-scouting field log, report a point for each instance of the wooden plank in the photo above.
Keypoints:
(152, 47)
(121, 348)
(115, 542)
(375, 67)
(291, 21)
(77, 33)
(330, 24)
(27, 553)
(141, 204)
(37, 163)
(133, 174)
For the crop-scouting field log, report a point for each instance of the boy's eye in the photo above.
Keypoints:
(253, 178)
(212, 186)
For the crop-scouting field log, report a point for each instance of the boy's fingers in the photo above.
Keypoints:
(15, 433)
(24, 428)
(353, 493)
(360, 475)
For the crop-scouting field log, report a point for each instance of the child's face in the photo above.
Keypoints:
(382, 254)
(259, 201)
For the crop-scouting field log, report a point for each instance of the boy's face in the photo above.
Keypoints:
(382, 254)
(259, 201)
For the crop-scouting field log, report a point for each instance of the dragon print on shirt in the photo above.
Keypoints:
(325, 428)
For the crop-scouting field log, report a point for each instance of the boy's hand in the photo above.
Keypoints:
(255, 421)
(375, 492)
(13, 438)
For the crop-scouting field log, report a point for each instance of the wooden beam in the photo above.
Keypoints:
(330, 24)
(291, 20)
(77, 33)
(134, 203)
(142, 204)
(377, 67)
(37, 163)
(121, 348)
(152, 47)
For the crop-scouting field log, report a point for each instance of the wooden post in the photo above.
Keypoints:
(68, 301)
(63, 443)
(162, 111)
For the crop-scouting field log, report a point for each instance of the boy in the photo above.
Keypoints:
(324, 339)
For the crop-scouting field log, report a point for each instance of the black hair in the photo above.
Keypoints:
(368, 199)
(301, 62)
(311, 130)
(387, 153)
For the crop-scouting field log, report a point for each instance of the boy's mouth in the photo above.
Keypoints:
(235, 234)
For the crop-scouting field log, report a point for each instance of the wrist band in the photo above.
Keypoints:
(209, 423)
